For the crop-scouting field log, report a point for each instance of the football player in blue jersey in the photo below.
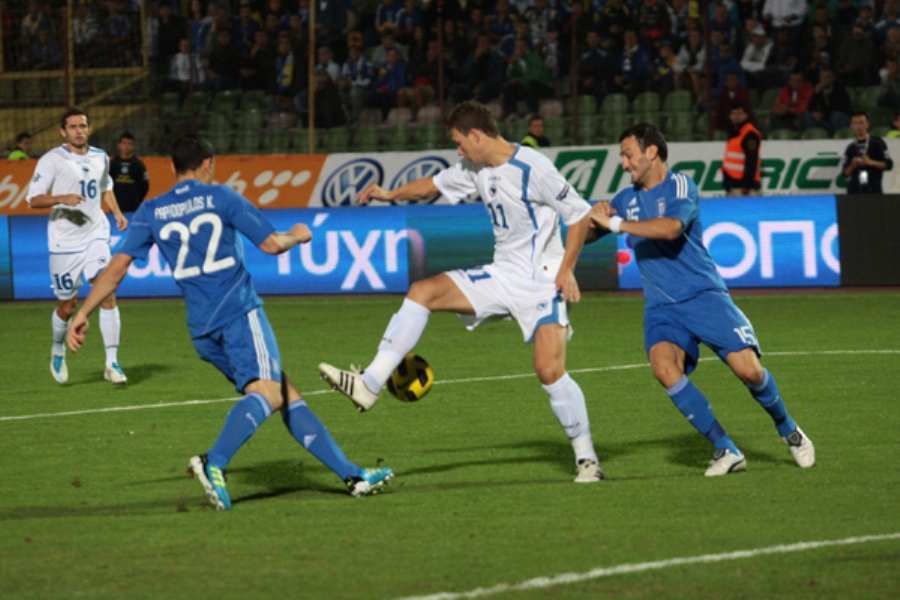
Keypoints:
(687, 301)
(195, 225)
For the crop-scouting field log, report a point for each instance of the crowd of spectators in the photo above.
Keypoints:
(383, 53)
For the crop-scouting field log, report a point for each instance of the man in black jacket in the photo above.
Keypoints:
(865, 158)
(830, 105)
(130, 181)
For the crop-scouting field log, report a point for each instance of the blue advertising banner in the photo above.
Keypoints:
(763, 242)
(6, 289)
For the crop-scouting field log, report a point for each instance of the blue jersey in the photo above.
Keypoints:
(671, 271)
(195, 227)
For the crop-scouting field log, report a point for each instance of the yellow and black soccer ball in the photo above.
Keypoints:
(412, 379)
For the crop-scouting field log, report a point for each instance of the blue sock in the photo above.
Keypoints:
(312, 435)
(696, 409)
(766, 393)
(242, 421)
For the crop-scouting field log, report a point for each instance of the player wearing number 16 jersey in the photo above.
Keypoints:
(531, 279)
(71, 180)
(196, 225)
(686, 299)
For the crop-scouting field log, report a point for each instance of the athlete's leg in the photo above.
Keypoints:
(566, 397)
(761, 383)
(438, 293)
(110, 327)
(60, 321)
(260, 399)
(668, 362)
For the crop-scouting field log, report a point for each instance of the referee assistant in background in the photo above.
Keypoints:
(742, 165)
(130, 181)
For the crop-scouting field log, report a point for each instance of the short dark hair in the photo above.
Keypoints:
(470, 115)
(126, 135)
(740, 105)
(23, 136)
(189, 151)
(647, 135)
(534, 117)
(858, 112)
(73, 112)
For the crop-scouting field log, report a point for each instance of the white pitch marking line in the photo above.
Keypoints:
(440, 382)
(569, 578)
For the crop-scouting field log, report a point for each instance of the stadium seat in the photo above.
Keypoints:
(247, 142)
(615, 103)
(220, 123)
(515, 129)
(550, 108)
(429, 114)
(587, 105)
(555, 131)
(369, 116)
(588, 128)
(221, 141)
(680, 126)
(397, 138)
(277, 141)
(399, 116)
(815, 133)
(226, 102)
(844, 133)
(880, 115)
(366, 138)
(253, 99)
(768, 100)
(677, 101)
(868, 98)
(653, 117)
(337, 139)
(613, 126)
(250, 119)
(720, 135)
(880, 131)
(428, 136)
(496, 109)
(646, 102)
(169, 104)
(782, 133)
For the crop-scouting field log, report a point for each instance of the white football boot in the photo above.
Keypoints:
(589, 471)
(58, 367)
(724, 461)
(801, 447)
(351, 384)
(114, 374)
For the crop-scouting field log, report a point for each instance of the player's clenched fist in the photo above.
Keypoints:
(302, 232)
(372, 192)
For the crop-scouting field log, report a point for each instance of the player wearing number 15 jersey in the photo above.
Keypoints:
(531, 279)
(686, 299)
(195, 226)
(71, 180)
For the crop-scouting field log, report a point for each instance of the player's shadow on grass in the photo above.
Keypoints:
(136, 374)
(689, 450)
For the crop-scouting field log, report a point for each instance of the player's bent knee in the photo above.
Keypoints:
(269, 389)
(668, 374)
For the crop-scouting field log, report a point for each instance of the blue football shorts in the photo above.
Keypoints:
(244, 350)
(711, 318)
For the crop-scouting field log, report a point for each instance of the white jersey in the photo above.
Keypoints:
(60, 171)
(525, 198)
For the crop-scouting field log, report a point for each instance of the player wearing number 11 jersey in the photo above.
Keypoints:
(71, 180)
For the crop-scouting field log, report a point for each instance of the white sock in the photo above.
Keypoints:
(60, 329)
(401, 336)
(110, 324)
(567, 402)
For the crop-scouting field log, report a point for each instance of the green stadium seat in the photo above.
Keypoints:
(587, 105)
(588, 129)
(767, 101)
(844, 133)
(367, 138)
(653, 117)
(677, 101)
(428, 136)
(250, 119)
(337, 139)
(782, 133)
(221, 141)
(646, 102)
(815, 133)
(226, 102)
(555, 131)
(615, 103)
(881, 131)
(397, 138)
(277, 141)
(720, 135)
(220, 123)
(613, 126)
(247, 142)
(515, 129)
(253, 99)
(680, 126)
(868, 98)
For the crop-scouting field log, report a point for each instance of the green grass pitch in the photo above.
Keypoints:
(96, 503)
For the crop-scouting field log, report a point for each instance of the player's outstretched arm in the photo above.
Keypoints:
(110, 199)
(282, 242)
(104, 284)
(48, 201)
(565, 278)
(420, 189)
(600, 210)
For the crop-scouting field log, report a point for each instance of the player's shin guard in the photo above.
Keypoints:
(242, 422)
(60, 329)
(567, 402)
(110, 326)
(312, 435)
(696, 409)
(766, 393)
(401, 336)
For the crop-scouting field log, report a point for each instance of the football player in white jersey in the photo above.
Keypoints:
(531, 279)
(71, 180)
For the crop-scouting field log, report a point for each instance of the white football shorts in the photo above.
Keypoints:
(69, 271)
(495, 296)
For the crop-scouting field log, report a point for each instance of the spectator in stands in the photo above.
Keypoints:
(731, 33)
(407, 19)
(331, 26)
(272, 27)
(593, 69)
(855, 64)
(386, 16)
(455, 49)
(756, 55)
(630, 67)
(889, 94)
(552, 54)
(742, 167)
(303, 12)
(662, 77)
(258, 68)
(355, 82)
(847, 11)
(287, 83)
(731, 95)
(43, 54)
(785, 14)
(325, 62)
(890, 19)
(890, 50)
(679, 13)
(782, 60)
(299, 34)
(33, 21)
(23, 147)
(392, 78)
(183, 66)
(527, 78)
(388, 43)
(724, 63)
(895, 127)
(541, 19)
(481, 75)
(117, 36)
(128, 173)
(424, 77)
(277, 8)
(615, 19)
(865, 19)
(201, 24)
(476, 26)
(225, 62)
(579, 24)
(245, 27)
(329, 110)
(865, 158)
(819, 53)
(690, 66)
(792, 102)
(830, 105)
(653, 18)
(822, 18)
(170, 32)
(9, 33)
(507, 46)
(535, 135)
(85, 37)
(501, 23)
(417, 49)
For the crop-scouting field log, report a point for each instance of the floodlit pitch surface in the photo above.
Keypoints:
(95, 503)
